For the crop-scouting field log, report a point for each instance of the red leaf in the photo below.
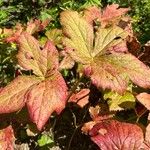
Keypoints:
(45, 98)
(7, 139)
(111, 135)
(81, 98)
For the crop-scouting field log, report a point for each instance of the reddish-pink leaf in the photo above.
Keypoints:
(112, 13)
(45, 98)
(49, 59)
(12, 97)
(7, 139)
(146, 144)
(36, 26)
(113, 71)
(144, 99)
(111, 135)
(81, 98)
(92, 13)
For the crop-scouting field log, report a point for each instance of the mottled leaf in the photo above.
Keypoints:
(119, 102)
(111, 135)
(45, 98)
(12, 97)
(7, 139)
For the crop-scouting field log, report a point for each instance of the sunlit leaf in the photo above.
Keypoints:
(119, 102)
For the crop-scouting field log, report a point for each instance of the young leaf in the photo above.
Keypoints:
(12, 97)
(46, 97)
(7, 139)
(111, 134)
(119, 102)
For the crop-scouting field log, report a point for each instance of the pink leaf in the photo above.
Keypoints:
(144, 99)
(81, 98)
(45, 98)
(7, 139)
(111, 13)
(111, 135)
(12, 97)
(92, 13)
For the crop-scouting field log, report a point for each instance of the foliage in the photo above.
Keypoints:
(140, 12)
(76, 71)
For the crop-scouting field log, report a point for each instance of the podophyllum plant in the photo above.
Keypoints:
(96, 42)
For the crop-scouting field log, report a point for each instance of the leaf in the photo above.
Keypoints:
(92, 13)
(112, 13)
(54, 35)
(119, 102)
(12, 97)
(112, 72)
(66, 63)
(36, 25)
(29, 53)
(46, 97)
(144, 99)
(7, 139)
(44, 93)
(108, 37)
(113, 134)
(48, 61)
(79, 36)
(31, 57)
(81, 98)
(44, 140)
(146, 144)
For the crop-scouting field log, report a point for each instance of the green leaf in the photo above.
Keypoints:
(44, 140)
(119, 102)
